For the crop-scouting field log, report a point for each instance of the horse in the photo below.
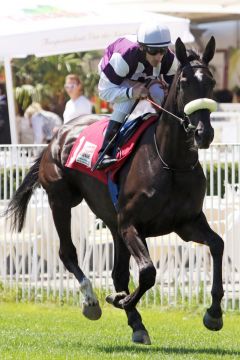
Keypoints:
(161, 190)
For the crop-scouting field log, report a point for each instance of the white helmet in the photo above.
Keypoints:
(154, 35)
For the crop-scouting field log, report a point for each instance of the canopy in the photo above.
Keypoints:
(47, 27)
(44, 28)
(197, 11)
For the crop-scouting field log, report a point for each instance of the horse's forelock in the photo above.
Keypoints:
(192, 55)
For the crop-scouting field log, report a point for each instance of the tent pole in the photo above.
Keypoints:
(10, 99)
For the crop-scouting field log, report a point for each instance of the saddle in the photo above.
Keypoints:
(84, 152)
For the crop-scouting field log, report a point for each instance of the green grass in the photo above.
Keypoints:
(35, 331)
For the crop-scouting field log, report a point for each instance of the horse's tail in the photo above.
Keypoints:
(17, 206)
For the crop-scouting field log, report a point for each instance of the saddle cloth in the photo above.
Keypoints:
(84, 152)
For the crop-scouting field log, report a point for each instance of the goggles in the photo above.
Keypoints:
(154, 50)
(69, 86)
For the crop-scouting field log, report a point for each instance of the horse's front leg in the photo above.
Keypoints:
(120, 275)
(200, 232)
(137, 247)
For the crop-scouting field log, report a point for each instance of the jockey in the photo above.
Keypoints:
(126, 64)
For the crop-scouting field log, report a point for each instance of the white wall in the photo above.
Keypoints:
(227, 33)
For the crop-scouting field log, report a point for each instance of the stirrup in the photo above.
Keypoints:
(106, 161)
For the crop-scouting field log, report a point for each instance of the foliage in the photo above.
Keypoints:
(212, 188)
(10, 179)
(222, 173)
(42, 79)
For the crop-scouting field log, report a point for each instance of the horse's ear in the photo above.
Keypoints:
(209, 51)
(181, 53)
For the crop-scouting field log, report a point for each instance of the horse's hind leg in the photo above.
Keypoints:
(60, 200)
(200, 232)
(120, 275)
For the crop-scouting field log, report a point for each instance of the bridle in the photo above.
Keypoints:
(185, 121)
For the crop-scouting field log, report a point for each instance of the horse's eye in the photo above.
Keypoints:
(213, 83)
(184, 82)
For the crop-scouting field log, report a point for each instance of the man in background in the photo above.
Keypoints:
(5, 133)
(78, 103)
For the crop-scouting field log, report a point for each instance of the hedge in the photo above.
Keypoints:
(214, 169)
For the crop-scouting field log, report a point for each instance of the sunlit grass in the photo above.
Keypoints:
(30, 331)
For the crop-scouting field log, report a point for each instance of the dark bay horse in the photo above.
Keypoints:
(162, 188)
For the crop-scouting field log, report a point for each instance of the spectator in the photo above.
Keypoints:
(78, 103)
(5, 133)
(25, 131)
(44, 123)
(223, 96)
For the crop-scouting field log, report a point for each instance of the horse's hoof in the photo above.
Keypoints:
(212, 323)
(141, 337)
(115, 298)
(92, 312)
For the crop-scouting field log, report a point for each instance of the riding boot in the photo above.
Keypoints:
(108, 160)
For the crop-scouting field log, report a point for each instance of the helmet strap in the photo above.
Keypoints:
(143, 50)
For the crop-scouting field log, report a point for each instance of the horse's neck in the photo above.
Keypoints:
(173, 143)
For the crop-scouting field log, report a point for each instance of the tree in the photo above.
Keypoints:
(42, 79)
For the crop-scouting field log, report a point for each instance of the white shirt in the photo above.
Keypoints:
(75, 108)
(37, 125)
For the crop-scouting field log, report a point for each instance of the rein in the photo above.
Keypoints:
(189, 127)
(192, 106)
(166, 166)
(189, 108)
(185, 122)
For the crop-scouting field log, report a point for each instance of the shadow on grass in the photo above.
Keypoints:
(167, 350)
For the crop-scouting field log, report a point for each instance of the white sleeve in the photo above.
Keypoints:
(174, 67)
(111, 92)
(87, 108)
(37, 125)
(66, 114)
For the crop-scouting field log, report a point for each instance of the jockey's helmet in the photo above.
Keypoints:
(154, 35)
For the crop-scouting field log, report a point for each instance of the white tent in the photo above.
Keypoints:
(44, 28)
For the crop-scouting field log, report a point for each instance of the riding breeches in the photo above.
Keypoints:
(123, 108)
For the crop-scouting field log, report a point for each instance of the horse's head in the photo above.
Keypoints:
(194, 84)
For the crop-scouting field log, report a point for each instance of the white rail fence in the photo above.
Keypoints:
(29, 262)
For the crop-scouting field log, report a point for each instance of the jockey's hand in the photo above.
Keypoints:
(139, 91)
(164, 86)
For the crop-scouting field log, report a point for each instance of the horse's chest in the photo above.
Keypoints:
(186, 194)
(175, 201)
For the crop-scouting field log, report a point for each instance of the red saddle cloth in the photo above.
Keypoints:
(84, 152)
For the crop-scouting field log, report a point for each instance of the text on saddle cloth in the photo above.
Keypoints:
(84, 152)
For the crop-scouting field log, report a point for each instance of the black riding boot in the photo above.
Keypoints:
(108, 160)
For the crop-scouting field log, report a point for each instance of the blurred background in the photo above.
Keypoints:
(41, 42)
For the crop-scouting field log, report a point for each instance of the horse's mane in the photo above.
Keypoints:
(192, 55)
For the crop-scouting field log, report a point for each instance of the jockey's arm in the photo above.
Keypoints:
(115, 85)
(114, 93)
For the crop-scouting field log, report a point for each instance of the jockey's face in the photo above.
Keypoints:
(154, 55)
(154, 60)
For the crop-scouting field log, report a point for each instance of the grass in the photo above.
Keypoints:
(35, 331)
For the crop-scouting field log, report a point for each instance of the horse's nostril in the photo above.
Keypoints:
(199, 131)
(198, 134)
